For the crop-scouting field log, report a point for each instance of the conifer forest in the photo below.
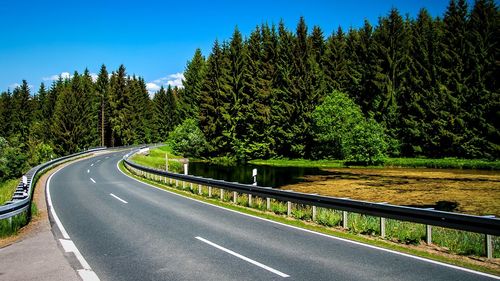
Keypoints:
(400, 87)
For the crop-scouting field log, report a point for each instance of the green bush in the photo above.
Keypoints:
(366, 144)
(187, 139)
(341, 132)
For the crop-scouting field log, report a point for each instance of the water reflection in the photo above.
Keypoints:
(270, 176)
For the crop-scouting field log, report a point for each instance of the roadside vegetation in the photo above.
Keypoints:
(452, 246)
(7, 189)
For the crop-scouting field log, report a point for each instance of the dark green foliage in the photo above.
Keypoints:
(194, 76)
(165, 112)
(187, 139)
(104, 112)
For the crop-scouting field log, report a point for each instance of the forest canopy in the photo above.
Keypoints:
(424, 86)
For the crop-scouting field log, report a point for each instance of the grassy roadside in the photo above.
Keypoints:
(420, 250)
(445, 163)
(7, 188)
(12, 226)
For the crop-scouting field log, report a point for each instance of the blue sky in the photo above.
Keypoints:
(39, 40)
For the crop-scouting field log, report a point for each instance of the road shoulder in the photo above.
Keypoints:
(34, 253)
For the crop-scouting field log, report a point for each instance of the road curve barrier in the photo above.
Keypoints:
(22, 198)
(487, 225)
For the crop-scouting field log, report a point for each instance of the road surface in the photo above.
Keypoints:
(127, 230)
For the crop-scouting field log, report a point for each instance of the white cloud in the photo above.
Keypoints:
(63, 75)
(94, 77)
(66, 75)
(15, 85)
(152, 87)
(174, 80)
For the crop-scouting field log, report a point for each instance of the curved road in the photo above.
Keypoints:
(127, 230)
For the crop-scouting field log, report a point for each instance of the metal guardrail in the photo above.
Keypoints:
(487, 225)
(21, 201)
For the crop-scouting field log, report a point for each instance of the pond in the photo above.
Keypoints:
(270, 176)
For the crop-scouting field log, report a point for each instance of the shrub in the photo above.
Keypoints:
(187, 139)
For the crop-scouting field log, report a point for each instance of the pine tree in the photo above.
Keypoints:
(119, 104)
(335, 63)
(5, 114)
(213, 99)
(282, 107)
(102, 92)
(393, 42)
(72, 117)
(22, 109)
(483, 96)
(453, 79)
(194, 77)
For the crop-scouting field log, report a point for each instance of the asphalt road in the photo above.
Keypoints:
(127, 230)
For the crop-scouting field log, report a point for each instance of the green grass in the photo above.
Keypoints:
(12, 226)
(328, 221)
(7, 189)
(156, 159)
(445, 163)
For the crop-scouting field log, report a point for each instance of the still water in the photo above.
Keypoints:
(269, 176)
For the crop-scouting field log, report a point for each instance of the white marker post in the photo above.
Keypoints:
(254, 175)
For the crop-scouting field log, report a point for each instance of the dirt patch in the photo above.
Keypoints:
(465, 191)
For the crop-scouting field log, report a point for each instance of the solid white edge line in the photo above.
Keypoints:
(51, 207)
(87, 274)
(118, 198)
(277, 272)
(322, 234)
(92, 180)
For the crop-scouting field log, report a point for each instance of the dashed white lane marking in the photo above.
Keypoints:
(118, 198)
(92, 165)
(87, 274)
(277, 272)
(88, 171)
(92, 180)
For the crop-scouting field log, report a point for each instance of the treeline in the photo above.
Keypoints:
(407, 87)
(430, 82)
(78, 113)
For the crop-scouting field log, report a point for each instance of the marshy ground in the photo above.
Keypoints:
(474, 192)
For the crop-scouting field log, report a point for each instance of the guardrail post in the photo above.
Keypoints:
(165, 180)
(222, 194)
(268, 203)
(191, 186)
(249, 200)
(199, 189)
(314, 213)
(428, 234)
(344, 219)
(176, 183)
(209, 191)
(382, 227)
(289, 208)
(489, 246)
(235, 197)
(183, 184)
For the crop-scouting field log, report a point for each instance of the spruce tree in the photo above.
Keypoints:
(102, 91)
(22, 109)
(194, 77)
(5, 114)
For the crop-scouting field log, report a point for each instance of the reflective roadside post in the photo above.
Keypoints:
(254, 175)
